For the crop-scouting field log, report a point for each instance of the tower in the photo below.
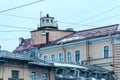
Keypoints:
(48, 22)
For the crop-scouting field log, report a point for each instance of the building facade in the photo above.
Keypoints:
(92, 47)
(98, 46)
(15, 66)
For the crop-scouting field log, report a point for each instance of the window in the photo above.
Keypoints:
(33, 76)
(47, 20)
(44, 76)
(45, 58)
(106, 51)
(43, 21)
(77, 56)
(15, 74)
(52, 57)
(69, 57)
(77, 73)
(51, 21)
(61, 57)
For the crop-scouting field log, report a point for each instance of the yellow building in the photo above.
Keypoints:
(15, 66)
(97, 46)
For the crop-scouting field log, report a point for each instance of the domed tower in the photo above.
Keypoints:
(48, 22)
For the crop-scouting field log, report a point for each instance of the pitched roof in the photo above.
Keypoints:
(87, 34)
(26, 46)
(91, 33)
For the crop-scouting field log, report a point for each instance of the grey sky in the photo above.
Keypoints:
(64, 11)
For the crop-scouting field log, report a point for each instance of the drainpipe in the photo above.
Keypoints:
(63, 51)
(111, 41)
(87, 52)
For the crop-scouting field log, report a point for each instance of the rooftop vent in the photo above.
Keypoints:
(69, 29)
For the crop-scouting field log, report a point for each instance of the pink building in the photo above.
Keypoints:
(98, 46)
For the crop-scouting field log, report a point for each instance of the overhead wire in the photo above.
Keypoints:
(16, 27)
(16, 31)
(20, 16)
(21, 6)
(92, 17)
(65, 22)
(108, 18)
(104, 19)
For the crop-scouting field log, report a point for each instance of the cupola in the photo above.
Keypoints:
(48, 22)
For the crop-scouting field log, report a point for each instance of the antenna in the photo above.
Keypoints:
(40, 18)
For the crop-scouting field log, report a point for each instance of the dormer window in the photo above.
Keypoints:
(21, 41)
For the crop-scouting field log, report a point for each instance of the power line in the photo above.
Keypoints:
(20, 6)
(92, 17)
(16, 27)
(108, 18)
(104, 19)
(16, 31)
(20, 16)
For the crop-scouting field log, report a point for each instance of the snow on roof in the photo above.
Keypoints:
(10, 55)
(68, 65)
(106, 30)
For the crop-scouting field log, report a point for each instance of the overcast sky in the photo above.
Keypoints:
(76, 14)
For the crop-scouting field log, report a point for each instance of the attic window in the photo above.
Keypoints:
(21, 41)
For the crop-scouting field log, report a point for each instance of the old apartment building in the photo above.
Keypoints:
(17, 66)
(98, 46)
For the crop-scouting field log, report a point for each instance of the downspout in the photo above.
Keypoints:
(111, 41)
(87, 53)
(52, 74)
(63, 51)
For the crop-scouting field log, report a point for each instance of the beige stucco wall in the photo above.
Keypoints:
(95, 51)
(53, 35)
(6, 69)
(24, 71)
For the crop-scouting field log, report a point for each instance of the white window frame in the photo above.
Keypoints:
(75, 56)
(33, 75)
(108, 52)
(47, 57)
(51, 57)
(59, 57)
(43, 77)
(77, 72)
(67, 57)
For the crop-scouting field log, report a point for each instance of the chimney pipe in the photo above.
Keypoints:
(47, 37)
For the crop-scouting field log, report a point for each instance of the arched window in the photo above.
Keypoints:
(61, 57)
(77, 56)
(53, 57)
(69, 57)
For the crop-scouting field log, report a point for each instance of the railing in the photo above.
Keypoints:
(14, 79)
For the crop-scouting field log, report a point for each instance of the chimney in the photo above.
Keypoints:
(47, 37)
